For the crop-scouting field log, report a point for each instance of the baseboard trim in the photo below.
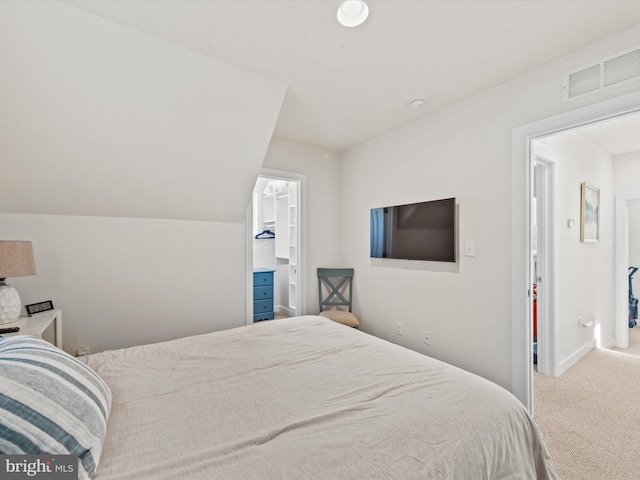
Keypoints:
(285, 310)
(569, 362)
(610, 344)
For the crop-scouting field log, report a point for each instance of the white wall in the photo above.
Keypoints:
(465, 151)
(626, 174)
(584, 271)
(125, 281)
(264, 253)
(626, 181)
(322, 170)
(634, 237)
(99, 119)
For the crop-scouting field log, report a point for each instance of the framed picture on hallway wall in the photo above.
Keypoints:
(590, 213)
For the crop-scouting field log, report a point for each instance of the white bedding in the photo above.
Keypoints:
(306, 398)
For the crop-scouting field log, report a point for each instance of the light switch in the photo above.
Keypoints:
(469, 248)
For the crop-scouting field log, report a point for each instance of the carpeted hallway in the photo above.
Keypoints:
(590, 416)
(634, 342)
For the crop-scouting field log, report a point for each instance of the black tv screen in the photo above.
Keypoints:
(417, 231)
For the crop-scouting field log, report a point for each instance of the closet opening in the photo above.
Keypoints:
(276, 273)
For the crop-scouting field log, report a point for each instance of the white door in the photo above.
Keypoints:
(542, 258)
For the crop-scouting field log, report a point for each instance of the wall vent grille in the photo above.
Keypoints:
(613, 71)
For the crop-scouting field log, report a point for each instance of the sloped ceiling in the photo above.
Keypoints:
(347, 85)
(99, 119)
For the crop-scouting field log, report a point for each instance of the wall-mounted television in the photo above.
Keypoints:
(417, 231)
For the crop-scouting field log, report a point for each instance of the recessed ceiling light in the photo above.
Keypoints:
(352, 13)
(416, 103)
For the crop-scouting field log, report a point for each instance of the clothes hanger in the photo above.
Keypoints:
(266, 233)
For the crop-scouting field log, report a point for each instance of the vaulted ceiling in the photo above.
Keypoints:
(165, 108)
(349, 84)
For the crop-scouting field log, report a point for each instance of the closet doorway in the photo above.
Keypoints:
(274, 228)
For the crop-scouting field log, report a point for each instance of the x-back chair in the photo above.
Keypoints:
(335, 287)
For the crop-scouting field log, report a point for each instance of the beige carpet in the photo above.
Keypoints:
(634, 342)
(590, 416)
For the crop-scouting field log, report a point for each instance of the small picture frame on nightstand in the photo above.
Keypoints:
(40, 307)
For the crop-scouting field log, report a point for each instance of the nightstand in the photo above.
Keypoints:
(37, 324)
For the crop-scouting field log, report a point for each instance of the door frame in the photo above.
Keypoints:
(521, 305)
(621, 277)
(546, 291)
(621, 281)
(301, 232)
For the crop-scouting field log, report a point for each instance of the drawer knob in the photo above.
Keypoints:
(264, 279)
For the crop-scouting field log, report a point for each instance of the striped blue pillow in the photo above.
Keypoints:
(50, 403)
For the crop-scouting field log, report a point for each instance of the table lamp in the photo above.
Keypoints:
(16, 260)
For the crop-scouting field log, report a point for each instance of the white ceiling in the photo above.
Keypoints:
(348, 85)
(616, 136)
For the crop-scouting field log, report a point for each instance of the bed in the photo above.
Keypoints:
(304, 398)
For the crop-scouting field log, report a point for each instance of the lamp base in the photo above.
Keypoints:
(10, 304)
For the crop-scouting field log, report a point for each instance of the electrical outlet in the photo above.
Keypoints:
(427, 337)
(398, 328)
(579, 322)
(469, 248)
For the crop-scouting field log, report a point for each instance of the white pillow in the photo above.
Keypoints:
(50, 403)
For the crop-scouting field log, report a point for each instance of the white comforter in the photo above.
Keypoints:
(306, 398)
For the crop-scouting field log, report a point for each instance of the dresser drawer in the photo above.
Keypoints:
(261, 306)
(262, 278)
(263, 316)
(260, 293)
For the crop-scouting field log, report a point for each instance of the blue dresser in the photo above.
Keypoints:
(262, 294)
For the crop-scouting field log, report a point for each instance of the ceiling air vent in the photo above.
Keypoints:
(613, 71)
